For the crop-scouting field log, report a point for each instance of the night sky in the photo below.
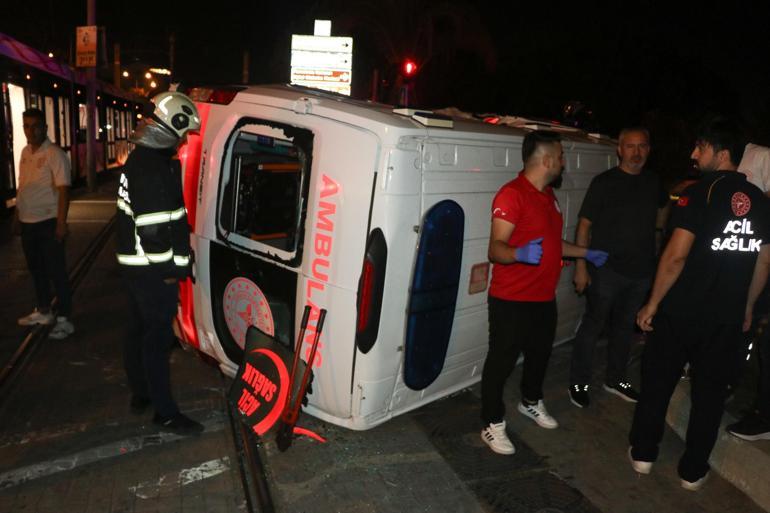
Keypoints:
(636, 62)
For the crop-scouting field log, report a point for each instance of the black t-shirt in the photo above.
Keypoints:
(730, 218)
(622, 209)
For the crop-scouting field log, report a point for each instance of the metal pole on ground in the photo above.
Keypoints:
(91, 111)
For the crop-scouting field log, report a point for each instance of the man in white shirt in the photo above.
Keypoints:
(42, 202)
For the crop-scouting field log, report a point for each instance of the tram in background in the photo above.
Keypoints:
(30, 78)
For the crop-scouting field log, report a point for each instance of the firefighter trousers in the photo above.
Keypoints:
(146, 349)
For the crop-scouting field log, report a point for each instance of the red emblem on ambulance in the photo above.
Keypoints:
(245, 305)
(740, 203)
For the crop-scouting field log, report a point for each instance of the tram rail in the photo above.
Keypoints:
(15, 367)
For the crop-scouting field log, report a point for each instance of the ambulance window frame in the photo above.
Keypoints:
(299, 137)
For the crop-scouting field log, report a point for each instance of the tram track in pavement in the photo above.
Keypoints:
(24, 354)
(247, 444)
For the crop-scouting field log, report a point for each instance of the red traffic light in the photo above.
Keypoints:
(409, 68)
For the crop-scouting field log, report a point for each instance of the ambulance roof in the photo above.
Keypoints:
(370, 114)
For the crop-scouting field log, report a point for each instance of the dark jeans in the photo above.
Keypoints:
(146, 350)
(516, 327)
(615, 298)
(45, 260)
(713, 351)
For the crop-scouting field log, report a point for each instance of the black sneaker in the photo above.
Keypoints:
(578, 394)
(139, 404)
(179, 424)
(624, 391)
(751, 427)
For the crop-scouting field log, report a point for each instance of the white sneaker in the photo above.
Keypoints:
(63, 329)
(539, 414)
(36, 317)
(641, 467)
(694, 486)
(497, 439)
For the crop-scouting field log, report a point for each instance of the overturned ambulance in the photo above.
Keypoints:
(380, 216)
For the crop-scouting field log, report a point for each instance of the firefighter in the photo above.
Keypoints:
(154, 254)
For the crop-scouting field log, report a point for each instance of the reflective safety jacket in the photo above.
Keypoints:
(152, 230)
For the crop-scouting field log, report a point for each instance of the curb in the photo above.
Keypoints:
(740, 462)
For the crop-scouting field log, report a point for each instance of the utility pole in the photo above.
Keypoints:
(116, 65)
(171, 51)
(91, 111)
(245, 69)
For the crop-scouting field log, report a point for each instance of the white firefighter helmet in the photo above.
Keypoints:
(176, 112)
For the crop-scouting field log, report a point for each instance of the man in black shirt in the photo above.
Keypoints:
(755, 424)
(709, 277)
(618, 216)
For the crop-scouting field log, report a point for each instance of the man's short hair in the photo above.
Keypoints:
(633, 130)
(535, 139)
(34, 113)
(723, 134)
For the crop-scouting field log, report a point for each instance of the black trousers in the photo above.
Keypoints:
(762, 352)
(146, 349)
(45, 260)
(516, 327)
(615, 298)
(713, 351)
(762, 402)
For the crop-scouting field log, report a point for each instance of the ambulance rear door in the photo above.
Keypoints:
(293, 204)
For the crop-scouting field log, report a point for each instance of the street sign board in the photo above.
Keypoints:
(86, 46)
(322, 62)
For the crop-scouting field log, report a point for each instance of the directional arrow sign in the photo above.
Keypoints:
(322, 62)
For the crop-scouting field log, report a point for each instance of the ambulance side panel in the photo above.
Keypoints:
(470, 173)
(395, 211)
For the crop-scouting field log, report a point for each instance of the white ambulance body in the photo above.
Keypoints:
(299, 197)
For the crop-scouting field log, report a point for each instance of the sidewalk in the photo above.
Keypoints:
(432, 459)
(68, 442)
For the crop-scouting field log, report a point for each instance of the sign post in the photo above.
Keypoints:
(86, 57)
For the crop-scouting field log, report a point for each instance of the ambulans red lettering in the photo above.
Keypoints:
(317, 274)
(311, 285)
(329, 187)
(323, 245)
(320, 266)
(325, 209)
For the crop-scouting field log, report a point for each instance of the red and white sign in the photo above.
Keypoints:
(86, 47)
(245, 305)
(322, 62)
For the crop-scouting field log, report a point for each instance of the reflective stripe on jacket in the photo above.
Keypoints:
(152, 227)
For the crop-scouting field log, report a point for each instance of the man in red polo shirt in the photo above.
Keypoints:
(526, 248)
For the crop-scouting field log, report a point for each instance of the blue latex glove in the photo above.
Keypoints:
(596, 257)
(531, 252)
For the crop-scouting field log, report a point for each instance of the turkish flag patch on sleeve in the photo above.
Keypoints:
(682, 202)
